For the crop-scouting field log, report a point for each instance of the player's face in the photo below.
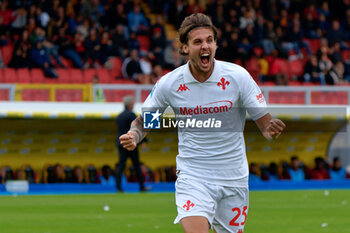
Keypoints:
(201, 48)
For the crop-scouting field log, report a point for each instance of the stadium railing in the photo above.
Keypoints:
(303, 95)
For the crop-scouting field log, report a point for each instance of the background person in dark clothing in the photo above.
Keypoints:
(124, 120)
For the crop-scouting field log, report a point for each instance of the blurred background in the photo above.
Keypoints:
(65, 67)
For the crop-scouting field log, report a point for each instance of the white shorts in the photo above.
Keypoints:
(225, 208)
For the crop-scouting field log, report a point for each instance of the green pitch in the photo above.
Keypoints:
(272, 212)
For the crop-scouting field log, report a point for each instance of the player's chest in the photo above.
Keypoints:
(192, 94)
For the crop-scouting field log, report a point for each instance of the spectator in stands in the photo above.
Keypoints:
(78, 176)
(50, 49)
(146, 67)
(312, 72)
(137, 21)
(6, 15)
(177, 12)
(320, 172)
(59, 19)
(133, 43)
(58, 174)
(92, 176)
(123, 121)
(68, 171)
(335, 53)
(336, 74)
(347, 68)
(157, 45)
(107, 177)
(42, 17)
(170, 174)
(272, 172)
(20, 175)
(40, 59)
(337, 172)
(79, 46)
(131, 67)
(336, 34)
(158, 25)
(295, 172)
(92, 46)
(106, 50)
(323, 26)
(147, 173)
(67, 48)
(172, 58)
(295, 36)
(3, 33)
(19, 22)
(310, 26)
(324, 62)
(253, 173)
(120, 41)
(30, 175)
(157, 73)
(116, 15)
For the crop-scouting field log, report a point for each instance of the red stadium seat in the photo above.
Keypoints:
(269, 83)
(6, 53)
(296, 68)
(103, 76)
(23, 75)
(76, 75)
(345, 55)
(252, 67)
(66, 62)
(4, 94)
(117, 95)
(2, 78)
(10, 75)
(63, 76)
(144, 42)
(88, 74)
(314, 44)
(116, 71)
(37, 76)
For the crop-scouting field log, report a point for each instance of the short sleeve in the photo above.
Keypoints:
(156, 99)
(252, 97)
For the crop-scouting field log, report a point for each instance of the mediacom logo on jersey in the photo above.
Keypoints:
(152, 120)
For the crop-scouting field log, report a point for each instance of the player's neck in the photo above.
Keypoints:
(199, 75)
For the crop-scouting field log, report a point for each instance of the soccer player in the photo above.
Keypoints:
(212, 184)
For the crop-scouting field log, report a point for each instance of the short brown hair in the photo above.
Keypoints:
(191, 22)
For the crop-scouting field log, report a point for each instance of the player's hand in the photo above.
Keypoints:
(128, 141)
(275, 128)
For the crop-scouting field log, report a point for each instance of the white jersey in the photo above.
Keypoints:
(217, 157)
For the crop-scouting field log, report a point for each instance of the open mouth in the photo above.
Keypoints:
(205, 58)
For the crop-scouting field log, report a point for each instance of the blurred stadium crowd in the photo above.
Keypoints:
(281, 42)
(294, 170)
(58, 173)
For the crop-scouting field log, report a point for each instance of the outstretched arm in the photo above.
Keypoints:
(134, 136)
(271, 128)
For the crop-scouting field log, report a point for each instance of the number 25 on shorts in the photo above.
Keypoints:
(238, 212)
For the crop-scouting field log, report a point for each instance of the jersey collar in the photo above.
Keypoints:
(214, 77)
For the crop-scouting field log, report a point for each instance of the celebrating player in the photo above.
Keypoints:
(212, 184)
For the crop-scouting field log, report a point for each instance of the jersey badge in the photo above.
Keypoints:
(223, 83)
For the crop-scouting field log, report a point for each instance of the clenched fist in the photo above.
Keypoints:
(275, 128)
(128, 141)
